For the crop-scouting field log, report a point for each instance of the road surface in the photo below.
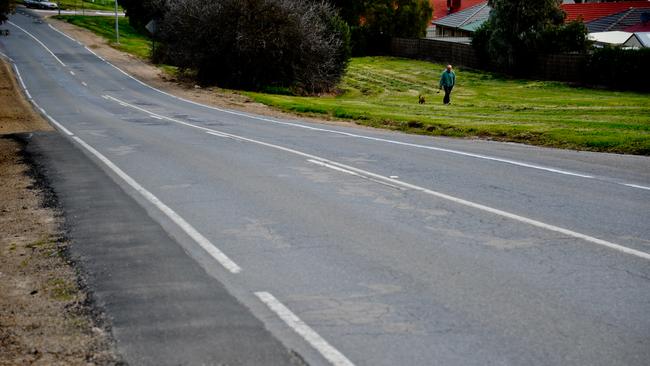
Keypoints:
(349, 245)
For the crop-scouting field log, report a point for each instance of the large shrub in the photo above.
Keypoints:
(301, 44)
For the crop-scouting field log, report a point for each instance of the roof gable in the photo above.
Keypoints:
(644, 38)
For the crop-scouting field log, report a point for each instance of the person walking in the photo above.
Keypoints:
(447, 82)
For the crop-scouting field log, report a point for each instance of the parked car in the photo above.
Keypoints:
(41, 4)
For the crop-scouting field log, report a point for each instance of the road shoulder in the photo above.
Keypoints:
(122, 275)
(46, 313)
(163, 307)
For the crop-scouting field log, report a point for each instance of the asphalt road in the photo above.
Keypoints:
(350, 245)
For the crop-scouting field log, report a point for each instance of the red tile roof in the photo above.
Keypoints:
(440, 7)
(587, 11)
(591, 11)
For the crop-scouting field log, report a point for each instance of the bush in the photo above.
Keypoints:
(619, 68)
(301, 44)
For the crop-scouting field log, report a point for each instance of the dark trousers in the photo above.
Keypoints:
(447, 98)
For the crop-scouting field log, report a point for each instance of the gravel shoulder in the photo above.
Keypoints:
(46, 317)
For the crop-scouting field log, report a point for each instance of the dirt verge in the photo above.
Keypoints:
(45, 316)
(16, 114)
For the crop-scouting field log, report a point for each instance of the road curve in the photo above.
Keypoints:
(368, 247)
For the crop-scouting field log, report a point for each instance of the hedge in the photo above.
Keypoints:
(619, 68)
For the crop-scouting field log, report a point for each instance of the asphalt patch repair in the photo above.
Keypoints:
(46, 317)
(131, 294)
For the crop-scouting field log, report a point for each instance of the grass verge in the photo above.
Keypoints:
(106, 5)
(82, 5)
(383, 92)
(131, 40)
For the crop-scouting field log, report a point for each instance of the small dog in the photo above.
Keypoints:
(421, 99)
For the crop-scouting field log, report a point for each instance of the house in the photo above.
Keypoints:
(620, 39)
(463, 22)
(445, 8)
(629, 16)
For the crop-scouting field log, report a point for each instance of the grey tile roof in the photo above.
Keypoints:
(618, 21)
(470, 15)
(473, 26)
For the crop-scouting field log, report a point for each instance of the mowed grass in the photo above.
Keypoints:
(106, 5)
(383, 92)
(131, 40)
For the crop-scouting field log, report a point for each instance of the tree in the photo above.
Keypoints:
(517, 30)
(350, 11)
(398, 18)
(252, 44)
(140, 12)
(6, 7)
(374, 22)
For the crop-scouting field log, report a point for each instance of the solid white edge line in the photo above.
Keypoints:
(62, 33)
(99, 57)
(217, 254)
(54, 122)
(203, 242)
(330, 353)
(50, 118)
(37, 40)
(400, 183)
(20, 79)
(6, 57)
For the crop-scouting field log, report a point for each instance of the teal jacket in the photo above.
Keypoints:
(447, 79)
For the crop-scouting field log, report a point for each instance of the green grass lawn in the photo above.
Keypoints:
(131, 40)
(383, 92)
(107, 5)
